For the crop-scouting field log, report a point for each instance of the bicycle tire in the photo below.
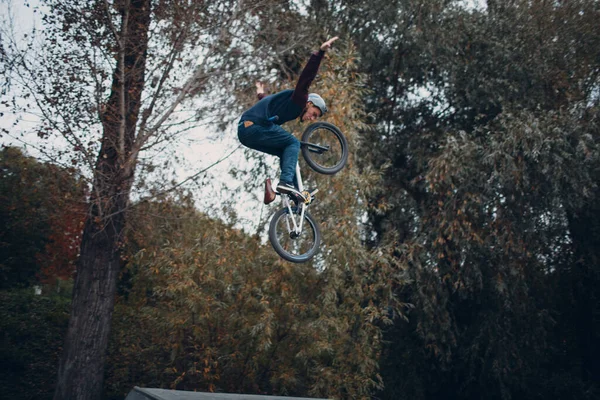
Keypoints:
(324, 134)
(292, 249)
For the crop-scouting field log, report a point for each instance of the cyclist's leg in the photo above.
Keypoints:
(294, 180)
(276, 141)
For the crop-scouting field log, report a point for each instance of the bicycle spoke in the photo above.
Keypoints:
(292, 242)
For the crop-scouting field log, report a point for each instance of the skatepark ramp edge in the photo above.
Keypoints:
(138, 393)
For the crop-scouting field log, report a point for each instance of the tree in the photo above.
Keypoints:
(38, 201)
(486, 173)
(112, 79)
(57, 260)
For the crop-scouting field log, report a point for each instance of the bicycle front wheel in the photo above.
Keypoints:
(291, 246)
(324, 148)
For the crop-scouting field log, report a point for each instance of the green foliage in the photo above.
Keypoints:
(33, 329)
(211, 308)
(35, 198)
(490, 194)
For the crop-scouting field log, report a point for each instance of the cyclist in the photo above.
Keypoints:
(260, 126)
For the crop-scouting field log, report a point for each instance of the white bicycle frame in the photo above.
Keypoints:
(297, 225)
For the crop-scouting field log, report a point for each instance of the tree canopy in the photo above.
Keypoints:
(42, 207)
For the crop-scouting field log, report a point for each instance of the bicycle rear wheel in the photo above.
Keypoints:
(297, 248)
(324, 148)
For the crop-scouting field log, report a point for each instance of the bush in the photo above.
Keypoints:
(33, 329)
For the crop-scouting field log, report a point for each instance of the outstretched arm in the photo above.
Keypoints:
(300, 95)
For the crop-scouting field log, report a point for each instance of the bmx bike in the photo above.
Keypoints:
(293, 232)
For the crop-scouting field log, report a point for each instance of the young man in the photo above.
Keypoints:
(260, 126)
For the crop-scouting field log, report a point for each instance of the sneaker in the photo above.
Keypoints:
(290, 190)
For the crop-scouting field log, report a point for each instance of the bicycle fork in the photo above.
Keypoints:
(296, 229)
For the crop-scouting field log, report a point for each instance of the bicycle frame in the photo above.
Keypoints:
(297, 226)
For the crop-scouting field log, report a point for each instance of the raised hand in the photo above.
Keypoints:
(260, 88)
(327, 45)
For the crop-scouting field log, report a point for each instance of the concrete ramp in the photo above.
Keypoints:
(139, 393)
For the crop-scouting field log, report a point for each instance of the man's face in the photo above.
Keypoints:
(311, 113)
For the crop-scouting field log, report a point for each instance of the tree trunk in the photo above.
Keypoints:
(81, 368)
(81, 371)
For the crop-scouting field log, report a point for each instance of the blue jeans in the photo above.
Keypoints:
(276, 141)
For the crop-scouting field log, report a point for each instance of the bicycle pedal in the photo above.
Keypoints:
(309, 196)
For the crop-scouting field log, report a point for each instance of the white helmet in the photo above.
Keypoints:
(318, 102)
